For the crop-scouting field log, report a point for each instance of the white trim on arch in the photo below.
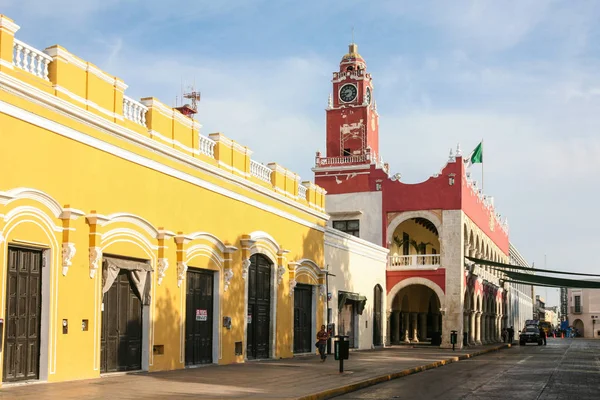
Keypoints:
(119, 235)
(33, 194)
(216, 256)
(266, 239)
(405, 216)
(274, 294)
(415, 281)
(133, 219)
(49, 294)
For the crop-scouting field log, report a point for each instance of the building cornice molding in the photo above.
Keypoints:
(30, 93)
(8, 25)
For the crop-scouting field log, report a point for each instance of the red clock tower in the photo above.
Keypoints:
(352, 120)
(352, 130)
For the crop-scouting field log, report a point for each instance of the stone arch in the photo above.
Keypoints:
(266, 240)
(579, 325)
(131, 237)
(415, 281)
(51, 253)
(265, 244)
(405, 216)
(36, 195)
(132, 219)
(310, 269)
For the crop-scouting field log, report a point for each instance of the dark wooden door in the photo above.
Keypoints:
(377, 317)
(259, 307)
(199, 317)
(121, 339)
(23, 315)
(303, 331)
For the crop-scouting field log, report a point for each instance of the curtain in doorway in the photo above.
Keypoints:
(139, 276)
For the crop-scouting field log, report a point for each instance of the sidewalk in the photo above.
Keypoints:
(298, 378)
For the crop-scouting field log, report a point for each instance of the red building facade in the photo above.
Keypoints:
(429, 227)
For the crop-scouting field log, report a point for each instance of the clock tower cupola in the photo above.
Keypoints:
(352, 119)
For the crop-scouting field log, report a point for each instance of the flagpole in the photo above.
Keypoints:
(482, 192)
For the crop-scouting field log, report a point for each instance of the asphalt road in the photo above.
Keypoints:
(564, 369)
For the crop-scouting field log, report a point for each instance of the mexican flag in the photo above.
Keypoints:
(476, 156)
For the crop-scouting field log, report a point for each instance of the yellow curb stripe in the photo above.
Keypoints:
(329, 393)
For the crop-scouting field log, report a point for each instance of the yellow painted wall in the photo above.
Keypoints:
(133, 210)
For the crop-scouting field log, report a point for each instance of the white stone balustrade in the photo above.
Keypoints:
(31, 60)
(414, 261)
(260, 171)
(302, 191)
(134, 111)
(207, 146)
(330, 161)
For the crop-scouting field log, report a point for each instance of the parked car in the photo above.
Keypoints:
(531, 334)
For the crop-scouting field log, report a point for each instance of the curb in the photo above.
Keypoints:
(338, 391)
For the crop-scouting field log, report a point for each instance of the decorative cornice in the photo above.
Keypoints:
(64, 107)
(220, 138)
(87, 102)
(277, 168)
(8, 25)
(71, 213)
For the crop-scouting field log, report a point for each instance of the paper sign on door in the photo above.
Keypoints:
(201, 315)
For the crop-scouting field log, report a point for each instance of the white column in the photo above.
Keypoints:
(452, 260)
(478, 328)
(405, 322)
(415, 337)
(472, 318)
(388, 331)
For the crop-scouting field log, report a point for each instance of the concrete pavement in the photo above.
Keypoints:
(564, 369)
(299, 378)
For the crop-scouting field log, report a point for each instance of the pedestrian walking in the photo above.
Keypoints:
(543, 335)
(322, 337)
(504, 335)
(511, 334)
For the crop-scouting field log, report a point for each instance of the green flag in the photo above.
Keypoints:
(477, 155)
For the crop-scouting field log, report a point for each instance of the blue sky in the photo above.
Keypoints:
(523, 75)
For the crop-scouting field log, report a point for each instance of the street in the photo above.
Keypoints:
(565, 368)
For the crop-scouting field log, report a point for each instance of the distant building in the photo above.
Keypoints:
(584, 311)
(520, 295)
(540, 308)
(552, 315)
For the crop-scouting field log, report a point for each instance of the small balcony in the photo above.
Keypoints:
(576, 309)
(414, 261)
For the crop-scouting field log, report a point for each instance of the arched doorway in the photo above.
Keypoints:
(259, 307)
(416, 315)
(413, 243)
(578, 326)
(377, 315)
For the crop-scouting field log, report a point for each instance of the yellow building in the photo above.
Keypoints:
(129, 241)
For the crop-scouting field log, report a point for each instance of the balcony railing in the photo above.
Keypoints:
(576, 309)
(338, 161)
(260, 171)
(30, 59)
(134, 110)
(414, 261)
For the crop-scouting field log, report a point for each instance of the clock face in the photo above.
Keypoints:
(368, 95)
(348, 93)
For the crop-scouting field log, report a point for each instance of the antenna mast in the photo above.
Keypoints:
(189, 110)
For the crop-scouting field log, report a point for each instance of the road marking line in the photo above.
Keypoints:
(525, 359)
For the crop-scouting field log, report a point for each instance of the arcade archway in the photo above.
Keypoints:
(416, 315)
